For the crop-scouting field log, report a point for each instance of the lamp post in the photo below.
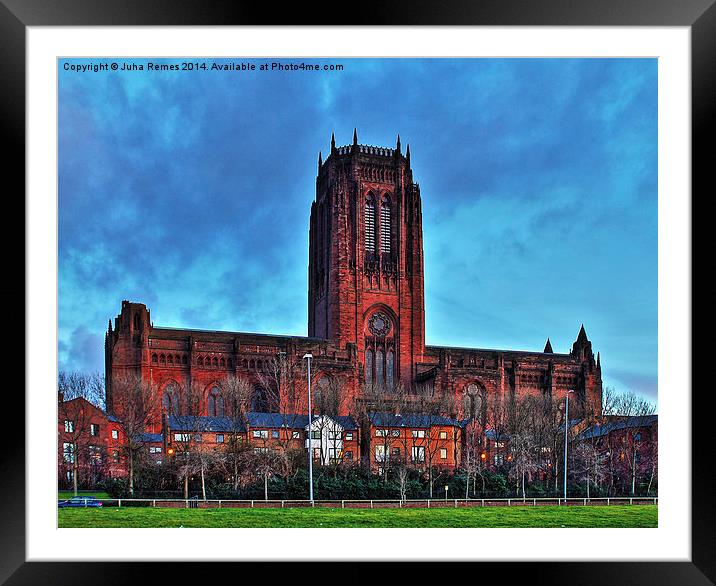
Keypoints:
(308, 356)
(566, 431)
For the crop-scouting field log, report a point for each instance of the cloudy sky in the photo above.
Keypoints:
(191, 191)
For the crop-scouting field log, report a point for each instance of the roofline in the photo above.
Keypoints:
(232, 333)
(500, 351)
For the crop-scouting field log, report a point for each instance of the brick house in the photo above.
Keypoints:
(414, 439)
(629, 446)
(88, 443)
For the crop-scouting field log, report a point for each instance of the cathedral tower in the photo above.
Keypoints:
(365, 271)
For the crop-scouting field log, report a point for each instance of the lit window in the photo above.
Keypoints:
(68, 452)
(443, 454)
(380, 453)
(95, 454)
(94, 429)
(296, 435)
(274, 434)
(181, 437)
(115, 456)
(155, 450)
(260, 433)
(348, 455)
(443, 435)
(69, 426)
(381, 433)
(115, 434)
(419, 433)
(349, 435)
(219, 438)
(418, 453)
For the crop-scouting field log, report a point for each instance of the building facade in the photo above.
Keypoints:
(366, 318)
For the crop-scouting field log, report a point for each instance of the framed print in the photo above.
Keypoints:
(493, 233)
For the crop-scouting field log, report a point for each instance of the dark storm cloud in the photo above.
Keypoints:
(191, 193)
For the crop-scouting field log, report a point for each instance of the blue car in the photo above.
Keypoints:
(80, 501)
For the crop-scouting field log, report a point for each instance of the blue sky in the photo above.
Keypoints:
(191, 192)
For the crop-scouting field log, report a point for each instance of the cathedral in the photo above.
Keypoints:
(366, 313)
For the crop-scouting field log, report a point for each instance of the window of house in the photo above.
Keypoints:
(95, 454)
(274, 433)
(349, 435)
(181, 437)
(94, 429)
(395, 433)
(316, 434)
(316, 453)
(261, 450)
(419, 433)
(197, 437)
(380, 453)
(418, 453)
(155, 450)
(637, 458)
(443, 454)
(396, 452)
(115, 456)
(499, 444)
(296, 435)
(637, 437)
(68, 452)
(334, 435)
(499, 459)
(69, 426)
(443, 435)
(348, 455)
(333, 453)
(260, 433)
(381, 433)
(219, 438)
(115, 434)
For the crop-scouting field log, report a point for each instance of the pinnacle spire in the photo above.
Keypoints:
(320, 160)
(110, 325)
(397, 147)
(333, 141)
(582, 336)
(599, 363)
(407, 153)
(548, 348)
(355, 136)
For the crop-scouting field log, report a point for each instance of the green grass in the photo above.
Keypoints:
(68, 494)
(546, 516)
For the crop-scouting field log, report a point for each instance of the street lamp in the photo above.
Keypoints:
(308, 356)
(566, 431)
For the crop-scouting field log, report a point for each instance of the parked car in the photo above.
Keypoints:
(80, 501)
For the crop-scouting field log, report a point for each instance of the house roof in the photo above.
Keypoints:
(616, 424)
(204, 423)
(410, 420)
(293, 420)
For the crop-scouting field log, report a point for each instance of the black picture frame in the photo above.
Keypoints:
(699, 15)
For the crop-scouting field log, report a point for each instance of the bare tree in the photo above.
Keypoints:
(137, 402)
(589, 464)
(237, 393)
(634, 410)
(434, 409)
(74, 388)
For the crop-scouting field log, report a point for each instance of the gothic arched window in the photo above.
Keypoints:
(369, 367)
(379, 367)
(370, 224)
(215, 403)
(389, 369)
(169, 400)
(385, 227)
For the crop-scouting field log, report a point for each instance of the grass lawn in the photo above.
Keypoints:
(546, 516)
(68, 494)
